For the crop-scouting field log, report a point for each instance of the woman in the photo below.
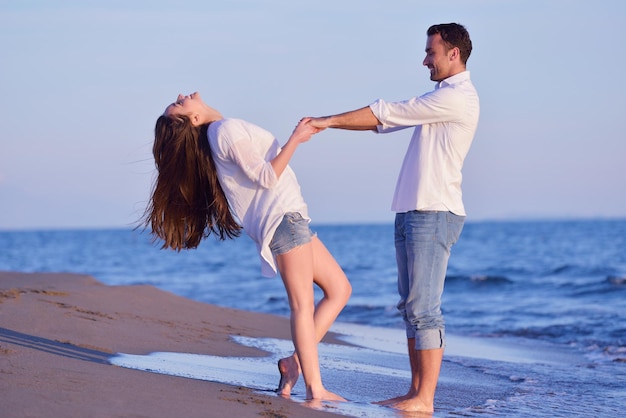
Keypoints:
(209, 166)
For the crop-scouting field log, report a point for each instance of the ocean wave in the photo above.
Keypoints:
(616, 280)
(578, 270)
(565, 333)
(609, 285)
(367, 314)
(600, 353)
(481, 279)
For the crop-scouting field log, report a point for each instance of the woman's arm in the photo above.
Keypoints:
(302, 133)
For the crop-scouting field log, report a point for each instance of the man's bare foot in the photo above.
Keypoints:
(413, 405)
(392, 400)
(397, 399)
(289, 372)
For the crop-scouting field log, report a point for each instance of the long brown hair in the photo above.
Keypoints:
(187, 201)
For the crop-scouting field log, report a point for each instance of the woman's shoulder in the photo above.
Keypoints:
(222, 124)
(234, 126)
(227, 131)
(233, 123)
(226, 125)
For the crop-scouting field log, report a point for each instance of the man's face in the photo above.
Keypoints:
(438, 60)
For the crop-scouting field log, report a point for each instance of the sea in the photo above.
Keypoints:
(535, 310)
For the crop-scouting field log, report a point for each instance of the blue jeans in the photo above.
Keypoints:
(423, 242)
(293, 231)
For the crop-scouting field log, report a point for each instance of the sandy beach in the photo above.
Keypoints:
(58, 331)
(71, 346)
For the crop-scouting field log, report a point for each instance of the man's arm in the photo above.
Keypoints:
(357, 120)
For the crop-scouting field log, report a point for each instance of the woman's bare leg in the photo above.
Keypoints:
(329, 276)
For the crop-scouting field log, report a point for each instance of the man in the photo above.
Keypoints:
(427, 201)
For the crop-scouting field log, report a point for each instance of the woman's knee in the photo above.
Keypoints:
(347, 289)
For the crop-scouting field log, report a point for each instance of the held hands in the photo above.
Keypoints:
(319, 123)
(304, 131)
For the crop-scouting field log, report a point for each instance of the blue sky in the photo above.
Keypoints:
(82, 83)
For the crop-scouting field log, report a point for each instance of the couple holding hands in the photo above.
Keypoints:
(220, 175)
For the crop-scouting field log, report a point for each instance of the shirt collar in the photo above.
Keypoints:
(457, 78)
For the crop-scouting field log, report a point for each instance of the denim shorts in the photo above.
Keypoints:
(423, 241)
(292, 232)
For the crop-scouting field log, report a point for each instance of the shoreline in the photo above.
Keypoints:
(73, 346)
(58, 332)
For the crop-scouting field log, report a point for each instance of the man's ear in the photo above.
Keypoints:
(455, 53)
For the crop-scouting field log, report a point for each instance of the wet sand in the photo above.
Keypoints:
(59, 331)
(72, 346)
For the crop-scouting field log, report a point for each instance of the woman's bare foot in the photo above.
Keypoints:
(324, 395)
(289, 372)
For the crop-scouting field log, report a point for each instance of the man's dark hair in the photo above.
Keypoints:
(453, 35)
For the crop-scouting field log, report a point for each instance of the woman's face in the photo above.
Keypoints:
(194, 108)
(185, 105)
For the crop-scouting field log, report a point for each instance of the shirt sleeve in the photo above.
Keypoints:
(440, 105)
(241, 150)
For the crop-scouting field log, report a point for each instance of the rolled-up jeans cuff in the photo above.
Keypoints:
(410, 331)
(429, 339)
